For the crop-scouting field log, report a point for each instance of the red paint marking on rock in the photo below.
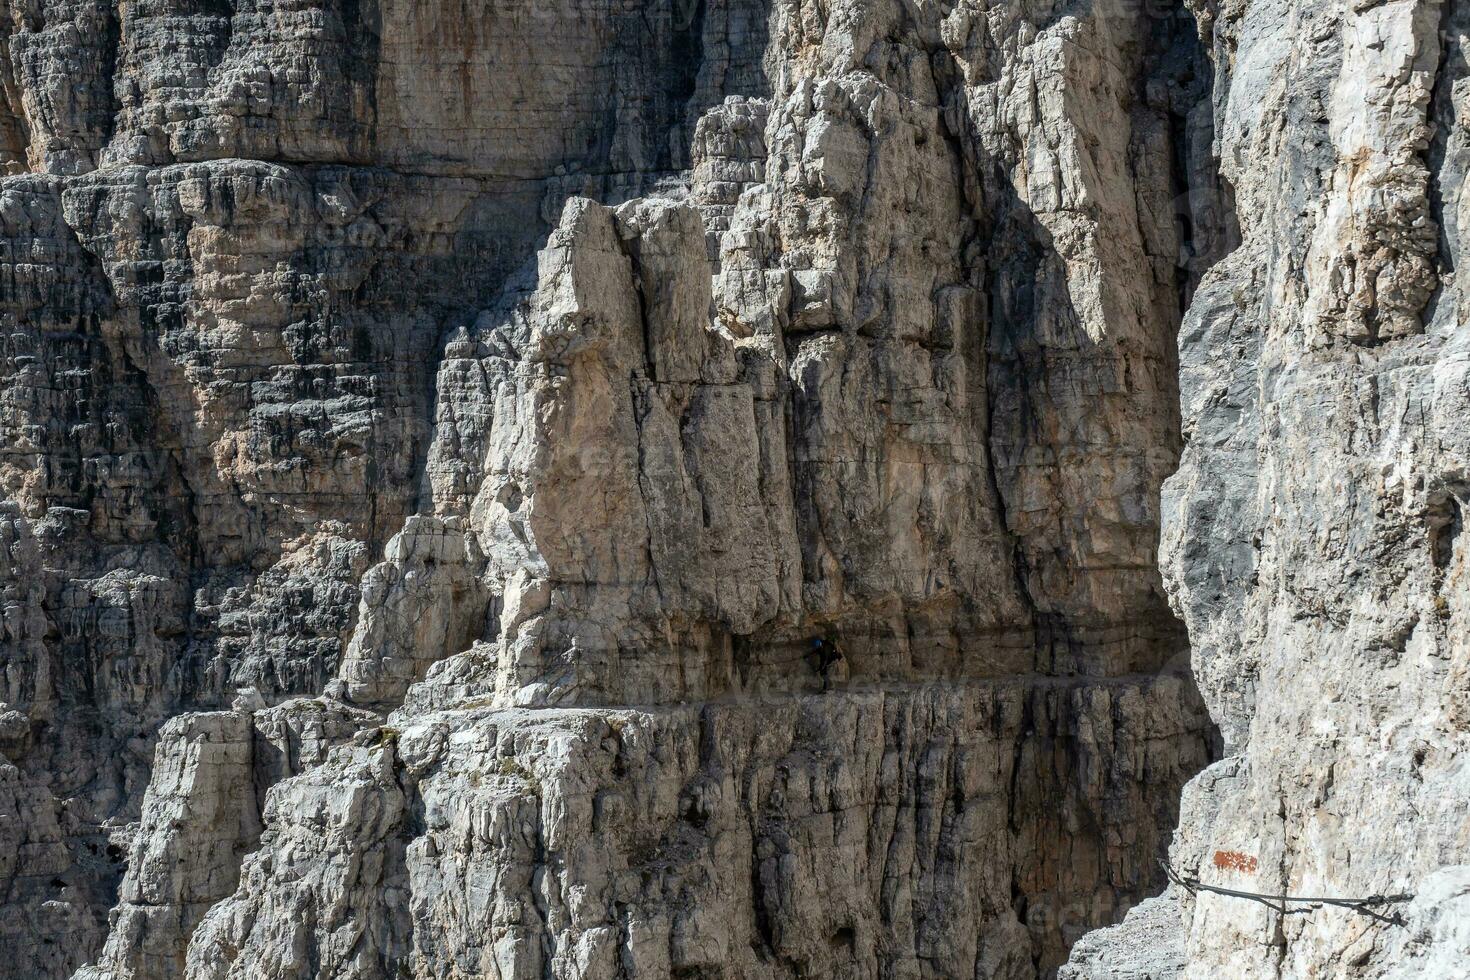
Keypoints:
(1235, 861)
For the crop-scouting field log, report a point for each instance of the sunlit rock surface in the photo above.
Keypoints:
(672, 488)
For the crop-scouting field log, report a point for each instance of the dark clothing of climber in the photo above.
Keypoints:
(825, 657)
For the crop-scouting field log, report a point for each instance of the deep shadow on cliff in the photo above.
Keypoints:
(602, 489)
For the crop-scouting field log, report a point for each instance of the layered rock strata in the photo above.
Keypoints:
(677, 484)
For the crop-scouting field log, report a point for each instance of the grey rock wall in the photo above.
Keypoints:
(673, 487)
(1313, 538)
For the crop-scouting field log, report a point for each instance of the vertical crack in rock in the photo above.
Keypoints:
(1311, 535)
(596, 489)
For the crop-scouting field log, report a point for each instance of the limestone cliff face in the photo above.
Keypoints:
(1313, 536)
(672, 487)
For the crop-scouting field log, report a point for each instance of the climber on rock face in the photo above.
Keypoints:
(828, 660)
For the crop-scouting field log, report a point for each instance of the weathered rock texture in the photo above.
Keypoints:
(672, 487)
(1313, 537)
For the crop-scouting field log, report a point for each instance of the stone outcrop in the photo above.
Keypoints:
(846, 834)
(1313, 535)
(673, 488)
(201, 816)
